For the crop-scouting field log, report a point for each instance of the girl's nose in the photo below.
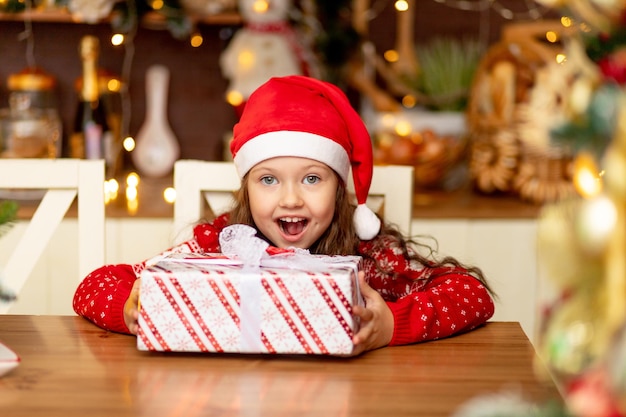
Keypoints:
(290, 196)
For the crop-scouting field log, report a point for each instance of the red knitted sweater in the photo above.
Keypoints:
(426, 303)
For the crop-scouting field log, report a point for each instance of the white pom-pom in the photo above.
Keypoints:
(366, 223)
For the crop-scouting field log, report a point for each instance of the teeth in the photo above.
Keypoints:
(291, 219)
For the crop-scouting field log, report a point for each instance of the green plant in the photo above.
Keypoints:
(447, 68)
(8, 212)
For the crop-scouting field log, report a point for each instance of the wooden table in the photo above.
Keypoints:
(71, 368)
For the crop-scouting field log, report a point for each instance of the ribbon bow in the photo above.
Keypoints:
(240, 242)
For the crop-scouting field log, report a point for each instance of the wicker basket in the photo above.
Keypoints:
(501, 158)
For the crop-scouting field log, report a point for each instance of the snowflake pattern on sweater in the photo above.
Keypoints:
(426, 303)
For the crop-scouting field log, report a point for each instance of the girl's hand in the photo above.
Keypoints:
(376, 320)
(131, 308)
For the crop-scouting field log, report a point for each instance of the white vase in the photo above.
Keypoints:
(157, 148)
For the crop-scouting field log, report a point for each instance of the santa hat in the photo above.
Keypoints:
(305, 117)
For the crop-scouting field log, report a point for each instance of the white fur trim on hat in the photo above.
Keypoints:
(366, 223)
(292, 143)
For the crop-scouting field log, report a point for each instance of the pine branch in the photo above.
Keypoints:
(8, 213)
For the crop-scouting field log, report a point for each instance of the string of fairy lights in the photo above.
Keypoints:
(529, 9)
(525, 10)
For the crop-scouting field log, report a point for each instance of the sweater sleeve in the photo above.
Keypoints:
(427, 303)
(101, 296)
(452, 303)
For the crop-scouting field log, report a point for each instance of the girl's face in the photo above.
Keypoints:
(292, 200)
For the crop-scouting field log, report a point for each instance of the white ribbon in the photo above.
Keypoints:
(240, 242)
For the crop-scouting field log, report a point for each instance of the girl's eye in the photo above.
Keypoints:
(268, 180)
(311, 179)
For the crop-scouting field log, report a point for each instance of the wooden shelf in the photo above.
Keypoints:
(151, 19)
(468, 204)
(54, 16)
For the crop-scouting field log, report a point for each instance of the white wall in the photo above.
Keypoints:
(51, 286)
(506, 252)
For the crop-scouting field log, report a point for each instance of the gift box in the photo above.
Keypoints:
(288, 304)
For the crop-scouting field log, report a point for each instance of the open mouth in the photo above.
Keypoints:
(292, 226)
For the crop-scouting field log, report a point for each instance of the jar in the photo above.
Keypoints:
(35, 84)
(31, 126)
(27, 132)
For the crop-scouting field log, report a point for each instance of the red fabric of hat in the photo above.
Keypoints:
(305, 117)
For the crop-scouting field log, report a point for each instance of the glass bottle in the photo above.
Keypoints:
(110, 88)
(91, 138)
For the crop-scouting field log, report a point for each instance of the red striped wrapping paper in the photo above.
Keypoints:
(213, 304)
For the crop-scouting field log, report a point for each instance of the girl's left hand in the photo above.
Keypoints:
(376, 320)
(131, 308)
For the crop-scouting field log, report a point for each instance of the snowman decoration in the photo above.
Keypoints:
(265, 47)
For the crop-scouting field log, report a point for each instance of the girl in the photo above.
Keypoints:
(293, 148)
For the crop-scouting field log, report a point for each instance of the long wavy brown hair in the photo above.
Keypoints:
(341, 238)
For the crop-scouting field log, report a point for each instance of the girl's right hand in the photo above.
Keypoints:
(131, 308)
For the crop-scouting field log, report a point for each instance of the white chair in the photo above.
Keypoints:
(60, 181)
(391, 194)
(197, 182)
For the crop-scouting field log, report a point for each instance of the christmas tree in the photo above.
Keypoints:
(582, 240)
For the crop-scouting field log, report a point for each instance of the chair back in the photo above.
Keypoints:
(58, 182)
(391, 195)
(199, 183)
